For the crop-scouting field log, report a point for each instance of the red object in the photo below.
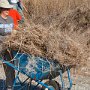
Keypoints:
(15, 15)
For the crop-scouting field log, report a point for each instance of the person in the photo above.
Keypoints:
(18, 5)
(16, 18)
(6, 27)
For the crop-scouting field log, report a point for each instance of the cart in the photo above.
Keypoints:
(38, 69)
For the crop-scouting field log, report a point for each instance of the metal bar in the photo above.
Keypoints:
(37, 84)
(25, 80)
(45, 85)
(6, 62)
(61, 77)
(69, 78)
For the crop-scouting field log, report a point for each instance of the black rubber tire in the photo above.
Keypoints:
(52, 83)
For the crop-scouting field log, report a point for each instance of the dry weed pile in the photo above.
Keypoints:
(67, 41)
(47, 44)
(61, 31)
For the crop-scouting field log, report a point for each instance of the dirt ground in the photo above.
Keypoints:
(81, 83)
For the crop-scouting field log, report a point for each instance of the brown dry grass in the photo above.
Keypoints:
(44, 8)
